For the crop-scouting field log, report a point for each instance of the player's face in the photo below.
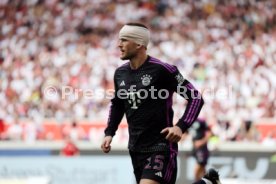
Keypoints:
(128, 49)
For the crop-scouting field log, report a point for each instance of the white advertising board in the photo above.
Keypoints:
(60, 170)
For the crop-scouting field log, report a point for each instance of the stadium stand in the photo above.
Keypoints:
(227, 48)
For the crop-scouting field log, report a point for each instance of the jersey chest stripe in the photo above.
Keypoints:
(168, 67)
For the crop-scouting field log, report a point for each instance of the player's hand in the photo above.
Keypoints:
(106, 144)
(173, 134)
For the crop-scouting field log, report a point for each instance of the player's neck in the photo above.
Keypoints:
(137, 61)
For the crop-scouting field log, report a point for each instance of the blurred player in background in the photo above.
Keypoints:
(138, 85)
(200, 133)
(70, 148)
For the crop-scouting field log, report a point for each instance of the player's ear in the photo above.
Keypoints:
(139, 46)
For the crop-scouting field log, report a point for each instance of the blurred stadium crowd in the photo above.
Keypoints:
(226, 46)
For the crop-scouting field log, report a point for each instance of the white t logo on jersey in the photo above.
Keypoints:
(133, 99)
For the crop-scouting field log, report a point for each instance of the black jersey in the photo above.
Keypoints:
(145, 96)
(198, 129)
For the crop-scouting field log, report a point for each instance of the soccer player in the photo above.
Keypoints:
(144, 87)
(200, 133)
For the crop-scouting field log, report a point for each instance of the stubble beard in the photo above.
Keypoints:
(127, 57)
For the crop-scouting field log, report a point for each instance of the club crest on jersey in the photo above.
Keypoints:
(146, 79)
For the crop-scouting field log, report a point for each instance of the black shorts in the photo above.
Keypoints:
(201, 155)
(158, 166)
